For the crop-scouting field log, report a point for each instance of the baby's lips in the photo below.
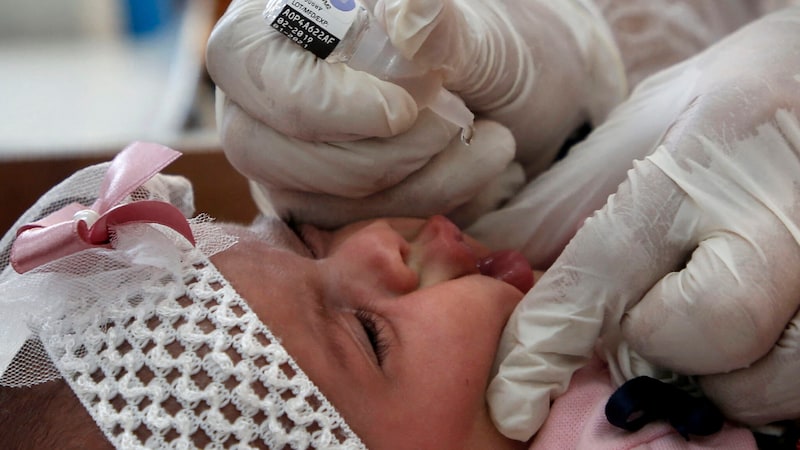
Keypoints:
(508, 266)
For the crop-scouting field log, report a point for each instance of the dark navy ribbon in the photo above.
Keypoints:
(643, 400)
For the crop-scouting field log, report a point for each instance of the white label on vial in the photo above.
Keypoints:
(316, 25)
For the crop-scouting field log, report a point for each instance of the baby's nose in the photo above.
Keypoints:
(381, 262)
(440, 253)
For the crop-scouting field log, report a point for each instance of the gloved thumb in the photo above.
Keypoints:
(429, 32)
(608, 266)
(541, 219)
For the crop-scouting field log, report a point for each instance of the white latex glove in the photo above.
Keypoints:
(541, 218)
(652, 35)
(540, 68)
(463, 181)
(692, 265)
(297, 125)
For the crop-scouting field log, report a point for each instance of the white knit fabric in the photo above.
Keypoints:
(156, 344)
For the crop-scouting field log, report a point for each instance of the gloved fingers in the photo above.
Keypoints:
(293, 91)
(734, 151)
(432, 33)
(742, 221)
(510, 62)
(725, 309)
(728, 163)
(612, 261)
(765, 392)
(609, 264)
(350, 169)
(470, 42)
(451, 178)
(541, 218)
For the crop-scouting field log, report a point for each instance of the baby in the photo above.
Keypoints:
(379, 334)
(392, 319)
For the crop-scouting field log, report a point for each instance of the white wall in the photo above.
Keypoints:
(69, 82)
(47, 19)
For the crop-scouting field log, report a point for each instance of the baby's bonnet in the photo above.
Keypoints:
(106, 284)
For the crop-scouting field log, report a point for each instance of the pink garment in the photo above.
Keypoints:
(577, 421)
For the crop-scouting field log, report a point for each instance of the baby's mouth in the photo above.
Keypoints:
(508, 266)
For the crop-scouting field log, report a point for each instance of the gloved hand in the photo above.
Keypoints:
(652, 35)
(305, 130)
(691, 266)
(542, 217)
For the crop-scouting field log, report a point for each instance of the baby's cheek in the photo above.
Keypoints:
(486, 304)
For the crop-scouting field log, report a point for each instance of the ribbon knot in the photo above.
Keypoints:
(76, 227)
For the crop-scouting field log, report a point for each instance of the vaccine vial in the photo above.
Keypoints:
(343, 31)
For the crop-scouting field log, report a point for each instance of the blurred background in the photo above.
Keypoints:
(80, 79)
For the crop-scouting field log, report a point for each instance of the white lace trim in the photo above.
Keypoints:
(193, 368)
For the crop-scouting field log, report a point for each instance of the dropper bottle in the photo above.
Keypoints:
(344, 31)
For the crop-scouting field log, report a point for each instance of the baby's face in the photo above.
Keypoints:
(390, 318)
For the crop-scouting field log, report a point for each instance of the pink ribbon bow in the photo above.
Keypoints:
(76, 227)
